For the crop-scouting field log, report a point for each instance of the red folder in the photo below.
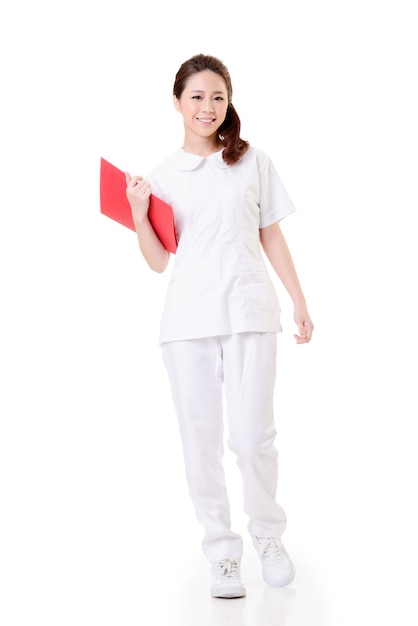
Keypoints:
(114, 204)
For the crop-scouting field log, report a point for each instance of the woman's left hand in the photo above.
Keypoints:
(304, 324)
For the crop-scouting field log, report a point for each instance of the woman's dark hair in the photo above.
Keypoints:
(229, 131)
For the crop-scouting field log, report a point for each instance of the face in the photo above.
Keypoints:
(203, 104)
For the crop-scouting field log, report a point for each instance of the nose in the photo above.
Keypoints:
(208, 106)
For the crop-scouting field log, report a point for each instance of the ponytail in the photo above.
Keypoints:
(229, 132)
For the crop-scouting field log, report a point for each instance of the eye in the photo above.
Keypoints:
(219, 98)
(196, 97)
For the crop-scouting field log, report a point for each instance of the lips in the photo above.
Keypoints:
(206, 120)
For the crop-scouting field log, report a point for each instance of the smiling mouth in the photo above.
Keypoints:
(206, 120)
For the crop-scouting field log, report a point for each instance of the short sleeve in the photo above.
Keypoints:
(275, 203)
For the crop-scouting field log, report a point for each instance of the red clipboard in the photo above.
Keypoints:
(115, 204)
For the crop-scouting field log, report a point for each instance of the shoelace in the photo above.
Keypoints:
(228, 567)
(271, 549)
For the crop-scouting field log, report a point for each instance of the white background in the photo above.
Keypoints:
(96, 526)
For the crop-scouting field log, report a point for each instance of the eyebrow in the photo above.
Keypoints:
(201, 91)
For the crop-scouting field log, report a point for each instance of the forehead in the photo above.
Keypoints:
(206, 81)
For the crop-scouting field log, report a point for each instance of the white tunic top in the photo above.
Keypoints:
(220, 284)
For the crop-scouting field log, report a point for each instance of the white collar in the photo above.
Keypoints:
(182, 160)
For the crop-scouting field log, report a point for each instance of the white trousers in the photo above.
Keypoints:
(244, 365)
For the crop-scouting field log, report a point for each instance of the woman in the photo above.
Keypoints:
(221, 315)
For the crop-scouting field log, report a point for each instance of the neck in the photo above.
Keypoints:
(202, 146)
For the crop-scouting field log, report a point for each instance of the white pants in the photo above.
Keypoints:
(245, 364)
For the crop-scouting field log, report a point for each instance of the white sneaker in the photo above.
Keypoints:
(278, 569)
(226, 581)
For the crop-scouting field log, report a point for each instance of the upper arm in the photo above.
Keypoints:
(270, 236)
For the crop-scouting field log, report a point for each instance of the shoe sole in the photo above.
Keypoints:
(282, 583)
(228, 593)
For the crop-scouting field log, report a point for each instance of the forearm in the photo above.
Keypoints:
(278, 254)
(151, 247)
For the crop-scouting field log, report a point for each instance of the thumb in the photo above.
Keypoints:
(128, 178)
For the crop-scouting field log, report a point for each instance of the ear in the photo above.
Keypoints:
(176, 104)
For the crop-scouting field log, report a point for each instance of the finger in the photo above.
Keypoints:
(143, 187)
(303, 338)
(309, 331)
(128, 178)
(134, 181)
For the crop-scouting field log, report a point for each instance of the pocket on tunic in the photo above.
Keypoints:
(251, 265)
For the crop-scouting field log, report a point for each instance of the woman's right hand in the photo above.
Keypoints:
(138, 192)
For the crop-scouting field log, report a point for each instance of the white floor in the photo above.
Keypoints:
(111, 579)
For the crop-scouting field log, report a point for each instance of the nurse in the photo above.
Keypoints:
(221, 315)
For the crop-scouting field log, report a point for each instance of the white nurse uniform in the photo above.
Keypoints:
(218, 331)
(220, 284)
